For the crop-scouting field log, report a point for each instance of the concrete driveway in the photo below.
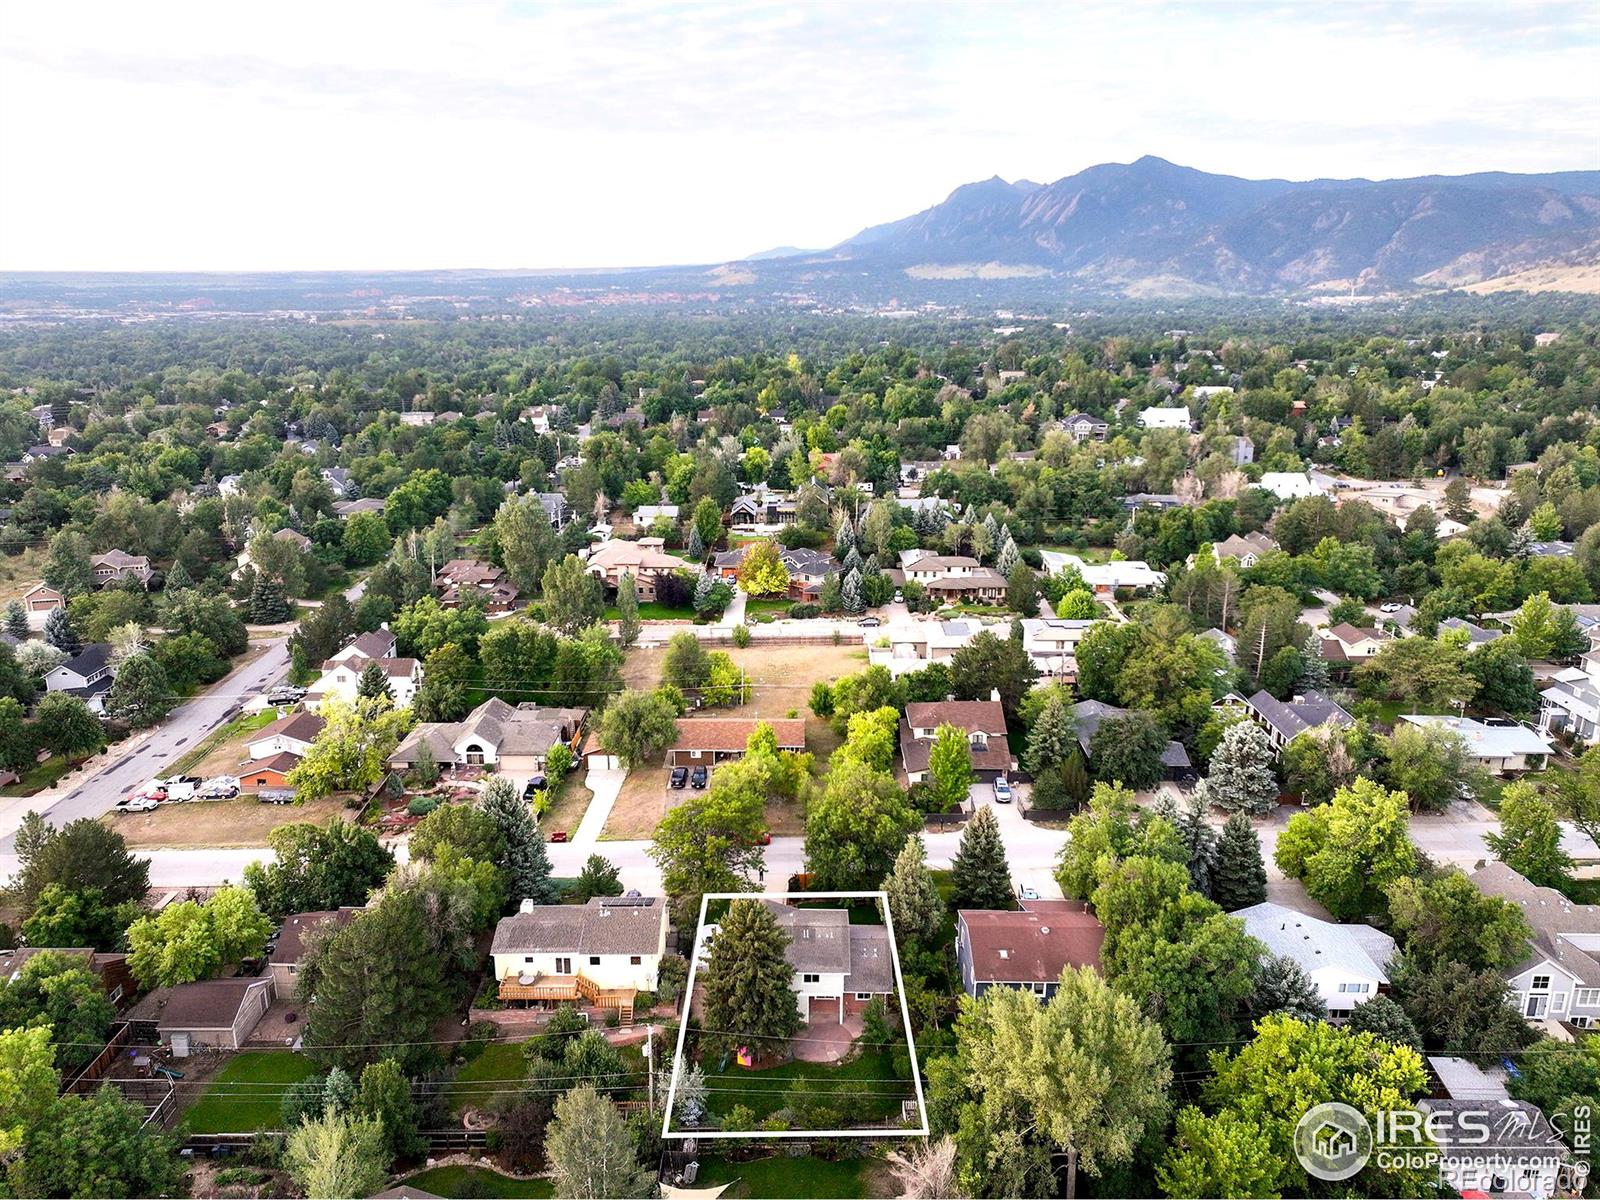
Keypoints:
(825, 1041)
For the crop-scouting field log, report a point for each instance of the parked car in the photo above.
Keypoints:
(286, 695)
(1002, 792)
(559, 835)
(533, 785)
(135, 804)
(698, 777)
(899, 598)
(869, 622)
(1028, 893)
(1390, 607)
(222, 787)
(680, 776)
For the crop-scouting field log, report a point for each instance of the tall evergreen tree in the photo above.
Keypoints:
(58, 631)
(1075, 777)
(850, 598)
(982, 878)
(526, 863)
(1243, 775)
(373, 683)
(1283, 987)
(1053, 737)
(628, 609)
(17, 621)
(695, 547)
(268, 603)
(1239, 878)
(914, 901)
(749, 984)
(1314, 674)
(1200, 840)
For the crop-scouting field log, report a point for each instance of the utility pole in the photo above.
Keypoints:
(650, 1062)
(1261, 651)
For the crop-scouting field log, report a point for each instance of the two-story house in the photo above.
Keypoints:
(984, 723)
(1285, 720)
(1246, 548)
(1089, 715)
(341, 676)
(839, 968)
(1081, 427)
(1345, 645)
(1348, 963)
(645, 559)
(466, 580)
(808, 569)
(953, 578)
(1052, 644)
(1559, 980)
(1027, 949)
(114, 566)
(287, 948)
(602, 953)
(87, 675)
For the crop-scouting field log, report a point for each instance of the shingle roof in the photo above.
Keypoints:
(299, 726)
(974, 716)
(732, 733)
(290, 946)
(1034, 945)
(1316, 944)
(282, 762)
(1551, 915)
(1293, 717)
(819, 938)
(94, 657)
(209, 1004)
(605, 925)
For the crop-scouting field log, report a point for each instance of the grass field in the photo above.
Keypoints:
(247, 1093)
(483, 1080)
(568, 805)
(465, 1181)
(782, 1177)
(763, 1092)
(242, 821)
(40, 777)
(778, 607)
(649, 610)
(781, 678)
(223, 750)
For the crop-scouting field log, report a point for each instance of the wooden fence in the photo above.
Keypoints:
(89, 1078)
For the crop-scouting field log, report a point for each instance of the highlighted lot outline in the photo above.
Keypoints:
(678, 1063)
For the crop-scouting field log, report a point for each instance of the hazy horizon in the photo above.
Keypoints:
(412, 136)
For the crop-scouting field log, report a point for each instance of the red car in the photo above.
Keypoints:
(765, 839)
(559, 835)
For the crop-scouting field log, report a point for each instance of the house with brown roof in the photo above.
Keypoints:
(288, 947)
(1027, 949)
(466, 580)
(645, 559)
(1347, 645)
(39, 602)
(514, 741)
(114, 566)
(110, 969)
(952, 577)
(984, 723)
(1247, 548)
(706, 741)
(214, 1014)
(271, 772)
(292, 734)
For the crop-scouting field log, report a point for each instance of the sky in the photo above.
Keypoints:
(343, 134)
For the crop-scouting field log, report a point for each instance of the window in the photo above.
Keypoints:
(1040, 988)
(563, 966)
(594, 960)
(474, 754)
(1580, 1022)
(811, 979)
(1358, 989)
(527, 958)
(1540, 983)
(634, 960)
(1586, 997)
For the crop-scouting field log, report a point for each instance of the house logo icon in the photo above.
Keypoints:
(1332, 1141)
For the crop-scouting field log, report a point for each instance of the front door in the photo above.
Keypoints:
(1536, 1006)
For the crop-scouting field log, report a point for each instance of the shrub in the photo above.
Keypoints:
(613, 1018)
(421, 806)
(741, 636)
(241, 1177)
(479, 1035)
(803, 612)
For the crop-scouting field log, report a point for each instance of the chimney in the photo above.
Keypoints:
(528, 906)
(994, 694)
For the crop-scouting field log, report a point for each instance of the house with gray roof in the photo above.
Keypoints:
(87, 675)
(1348, 963)
(603, 952)
(1089, 715)
(1496, 1146)
(1499, 746)
(839, 968)
(1285, 720)
(1477, 635)
(514, 741)
(1559, 978)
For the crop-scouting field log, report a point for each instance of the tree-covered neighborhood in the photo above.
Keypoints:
(1079, 689)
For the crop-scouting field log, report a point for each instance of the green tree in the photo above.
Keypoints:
(58, 632)
(365, 540)
(599, 877)
(1443, 916)
(591, 1149)
(1505, 681)
(749, 985)
(28, 1083)
(762, 572)
(628, 624)
(1222, 1155)
(950, 773)
(1106, 833)
(337, 1155)
(188, 941)
(58, 991)
(384, 1095)
(1085, 1070)
(316, 870)
(127, 1159)
(1536, 627)
(1349, 851)
(988, 663)
(527, 543)
(80, 856)
(140, 694)
(638, 726)
(1458, 1010)
(373, 684)
(1238, 877)
(707, 522)
(572, 597)
(1385, 1020)
(709, 843)
(17, 744)
(1128, 749)
(1283, 987)
(1243, 777)
(979, 871)
(16, 620)
(78, 918)
(1022, 590)
(67, 569)
(1418, 670)
(914, 901)
(855, 827)
(469, 830)
(1430, 763)
(524, 860)
(351, 752)
(1529, 841)
(269, 603)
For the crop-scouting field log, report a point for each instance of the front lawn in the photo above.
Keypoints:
(866, 1085)
(234, 731)
(467, 1181)
(779, 606)
(42, 776)
(247, 1093)
(650, 610)
(485, 1079)
(780, 1177)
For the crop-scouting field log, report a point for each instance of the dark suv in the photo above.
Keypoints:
(680, 776)
(697, 777)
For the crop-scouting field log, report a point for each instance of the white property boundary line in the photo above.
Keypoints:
(688, 1000)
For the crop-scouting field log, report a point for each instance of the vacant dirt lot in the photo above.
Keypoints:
(242, 821)
(781, 679)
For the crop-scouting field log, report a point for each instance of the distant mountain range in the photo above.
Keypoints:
(1154, 228)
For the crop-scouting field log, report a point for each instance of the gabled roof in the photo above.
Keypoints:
(1315, 944)
(298, 726)
(819, 938)
(1034, 945)
(209, 1004)
(290, 946)
(727, 734)
(1293, 717)
(1552, 917)
(974, 716)
(605, 925)
(282, 763)
(93, 658)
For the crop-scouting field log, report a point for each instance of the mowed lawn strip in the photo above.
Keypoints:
(781, 1177)
(867, 1083)
(480, 1181)
(484, 1080)
(246, 1095)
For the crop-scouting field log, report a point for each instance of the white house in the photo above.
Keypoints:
(515, 741)
(87, 675)
(1571, 705)
(1289, 485)
(292, 734)
(1165, 418)
(647, 514)
(1132, 573)
(1560, 978)
(1500, 747)
(907, 646)
(1346, 962)
(1052, 644)
(340, 678)
(603, 952)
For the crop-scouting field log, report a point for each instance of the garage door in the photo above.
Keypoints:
(824, 1008)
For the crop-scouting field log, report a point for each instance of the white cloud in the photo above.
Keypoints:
(364, 134)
